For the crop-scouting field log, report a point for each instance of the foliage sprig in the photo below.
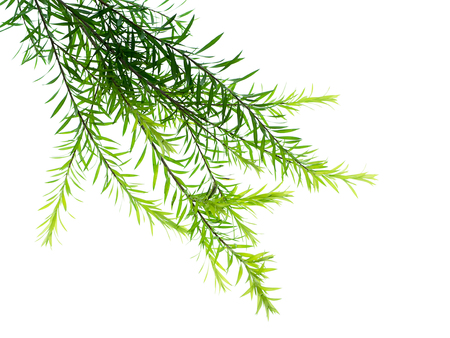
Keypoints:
(119, 62)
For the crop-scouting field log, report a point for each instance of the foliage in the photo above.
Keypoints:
(123, 63)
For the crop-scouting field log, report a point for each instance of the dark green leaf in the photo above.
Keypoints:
(210, 44)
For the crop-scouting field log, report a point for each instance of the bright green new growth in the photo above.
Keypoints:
(125, 63)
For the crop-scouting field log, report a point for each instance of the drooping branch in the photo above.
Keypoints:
(112, 60)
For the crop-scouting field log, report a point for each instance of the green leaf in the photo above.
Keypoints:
(46, 206)
(97, 172)
(54, 95)
(155, 169)
(234, 81)
(210, 44)
(250, 289)
(60, 104)
(64, 124)
(141, 158)
(256, 257)
(227, 64)
(166, 189)
(269, 289)
(133, 140)
(166, 1)
(187, 13)
(186, 31)
(54, 80)
(63, 201)
(239, 274)
(173, 199)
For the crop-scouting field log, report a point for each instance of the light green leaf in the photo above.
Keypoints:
(141, 158)
(239, 274)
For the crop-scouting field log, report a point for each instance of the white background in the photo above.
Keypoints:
(376, 266)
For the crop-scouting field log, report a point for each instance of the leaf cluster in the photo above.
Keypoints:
(119, 62)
